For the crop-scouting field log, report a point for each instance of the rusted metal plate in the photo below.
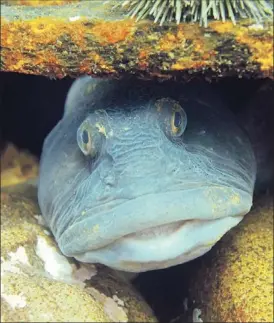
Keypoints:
(86, 37)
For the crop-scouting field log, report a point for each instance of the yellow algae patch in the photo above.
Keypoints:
(170, 41)
(189, 39)
(222, 27)
(262, 50)
(260, 42)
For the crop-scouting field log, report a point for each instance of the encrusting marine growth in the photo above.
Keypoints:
(197, 10)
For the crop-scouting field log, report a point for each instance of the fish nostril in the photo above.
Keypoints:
(110, 179)
(106, 171)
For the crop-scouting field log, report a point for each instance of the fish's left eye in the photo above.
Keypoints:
(178, 121)
(85, 137)
(173, 117)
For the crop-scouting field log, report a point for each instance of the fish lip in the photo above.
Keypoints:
(192, 239)
(97, 231)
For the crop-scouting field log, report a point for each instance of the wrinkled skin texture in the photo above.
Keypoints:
(143, 196)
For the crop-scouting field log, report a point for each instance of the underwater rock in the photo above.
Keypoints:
(235, 279)
(19, 171)
(88, 37)
(17, 166)
(39, 284)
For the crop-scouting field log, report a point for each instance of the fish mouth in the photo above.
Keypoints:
(147, 250)
(156, 230)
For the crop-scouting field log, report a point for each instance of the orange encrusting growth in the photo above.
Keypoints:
(70, 46)
(45, 34)
(112, 31)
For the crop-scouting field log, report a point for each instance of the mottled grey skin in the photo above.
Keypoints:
(144, 194)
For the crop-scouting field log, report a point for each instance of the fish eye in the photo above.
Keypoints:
(173, 116)
(85, 137)
(88, 139)
(178, 121)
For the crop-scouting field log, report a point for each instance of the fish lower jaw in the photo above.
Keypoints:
(163, 246)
